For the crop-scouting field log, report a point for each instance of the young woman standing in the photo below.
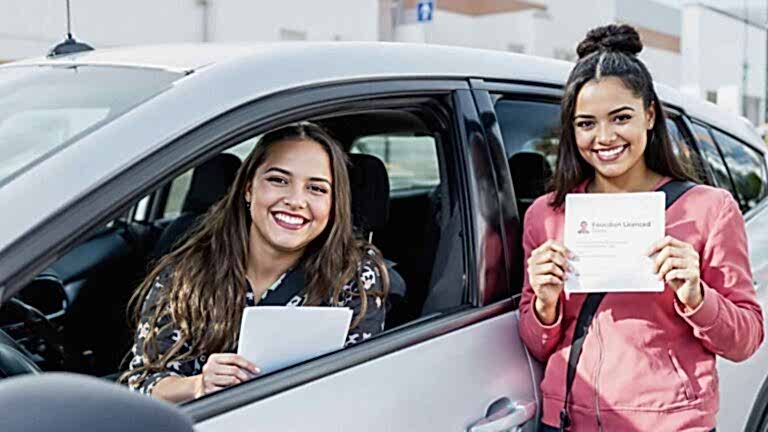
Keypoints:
(648, 360)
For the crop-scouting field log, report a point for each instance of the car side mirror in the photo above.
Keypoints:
(68, 403)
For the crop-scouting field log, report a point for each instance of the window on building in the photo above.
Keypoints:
(712, 96)
(516, 48)
(751, 109)
(292, 35)
(746, 166)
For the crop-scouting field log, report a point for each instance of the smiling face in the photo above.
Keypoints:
(290, 197)
(610, 126)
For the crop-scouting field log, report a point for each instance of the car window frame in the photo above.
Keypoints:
(486, 94)
(683, 124)
(752, 148)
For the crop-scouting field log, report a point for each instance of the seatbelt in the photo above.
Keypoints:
(673, 190)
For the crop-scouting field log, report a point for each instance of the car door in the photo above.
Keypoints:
(743, 386)
(455, 367)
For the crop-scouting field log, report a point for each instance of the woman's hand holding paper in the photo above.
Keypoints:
(224, 370)
(677, 263)
(547, 271)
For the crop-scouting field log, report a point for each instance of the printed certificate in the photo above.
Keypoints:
(609, 234)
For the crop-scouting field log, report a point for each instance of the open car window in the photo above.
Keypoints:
(413, 152)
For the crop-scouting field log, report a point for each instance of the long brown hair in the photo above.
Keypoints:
(205, 293)
(611, 51)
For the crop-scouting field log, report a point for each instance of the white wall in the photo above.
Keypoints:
(319, 19)
(448, 28)
(495, 31)
(665, 66)
(560, 27)
(40, 24)
(499, 31)
(713, 48)
(568, 23)
(31, 27)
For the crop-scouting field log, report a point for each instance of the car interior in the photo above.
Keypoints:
(73, 316)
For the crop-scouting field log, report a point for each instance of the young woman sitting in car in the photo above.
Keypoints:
(648, 362)
(286, 217)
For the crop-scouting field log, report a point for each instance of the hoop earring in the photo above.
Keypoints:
(248, 205)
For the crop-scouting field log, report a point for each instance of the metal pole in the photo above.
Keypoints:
(745, 65)
(205, 18)
(69, 23)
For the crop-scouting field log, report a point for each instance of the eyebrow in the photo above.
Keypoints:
(612, 112)
(288, 173)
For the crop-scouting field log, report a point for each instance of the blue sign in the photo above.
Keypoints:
(424, 11)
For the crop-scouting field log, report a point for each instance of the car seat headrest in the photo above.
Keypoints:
(530, 174)
(210, 182)
(369, 184)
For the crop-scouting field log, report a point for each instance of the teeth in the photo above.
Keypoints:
(289, 219)
(611, 152)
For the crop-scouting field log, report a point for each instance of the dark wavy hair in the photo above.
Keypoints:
(205, 293)
(611, 51)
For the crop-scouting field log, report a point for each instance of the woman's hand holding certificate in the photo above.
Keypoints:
(547, 271)
(609, 234)
(677, 263)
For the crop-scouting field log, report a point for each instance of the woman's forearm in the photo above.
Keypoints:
(177, 389)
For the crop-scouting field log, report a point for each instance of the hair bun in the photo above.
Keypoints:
(612, 37)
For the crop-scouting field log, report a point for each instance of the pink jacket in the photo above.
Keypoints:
(647, 365)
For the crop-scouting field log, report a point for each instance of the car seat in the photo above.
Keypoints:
(210, 182)
(531, 174)
(369, 184)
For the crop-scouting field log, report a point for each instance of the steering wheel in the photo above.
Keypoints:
(44, 340)
(14, 359)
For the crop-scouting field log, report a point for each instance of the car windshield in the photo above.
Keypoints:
(43, 108)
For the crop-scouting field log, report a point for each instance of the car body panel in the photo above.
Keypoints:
(444, 384)
(740, 383)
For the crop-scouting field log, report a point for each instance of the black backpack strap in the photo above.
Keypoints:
(586, 314)
(673, 190)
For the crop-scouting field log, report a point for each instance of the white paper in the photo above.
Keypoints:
(275, 337)
(609, 234)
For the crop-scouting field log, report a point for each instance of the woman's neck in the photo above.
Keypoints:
(266, 265)
(639, 181)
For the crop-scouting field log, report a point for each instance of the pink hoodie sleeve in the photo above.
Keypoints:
(541, 340)
(729, 322)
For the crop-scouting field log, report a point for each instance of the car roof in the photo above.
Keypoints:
(371, 60)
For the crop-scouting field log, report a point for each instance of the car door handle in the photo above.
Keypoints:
(512, 415)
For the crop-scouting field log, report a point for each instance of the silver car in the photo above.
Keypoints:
(100, 152)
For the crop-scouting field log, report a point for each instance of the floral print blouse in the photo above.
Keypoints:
(372, 324)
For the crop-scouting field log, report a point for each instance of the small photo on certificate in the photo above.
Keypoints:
(609, 235)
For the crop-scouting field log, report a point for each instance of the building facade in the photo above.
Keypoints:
(702, 50)
(31, 27)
